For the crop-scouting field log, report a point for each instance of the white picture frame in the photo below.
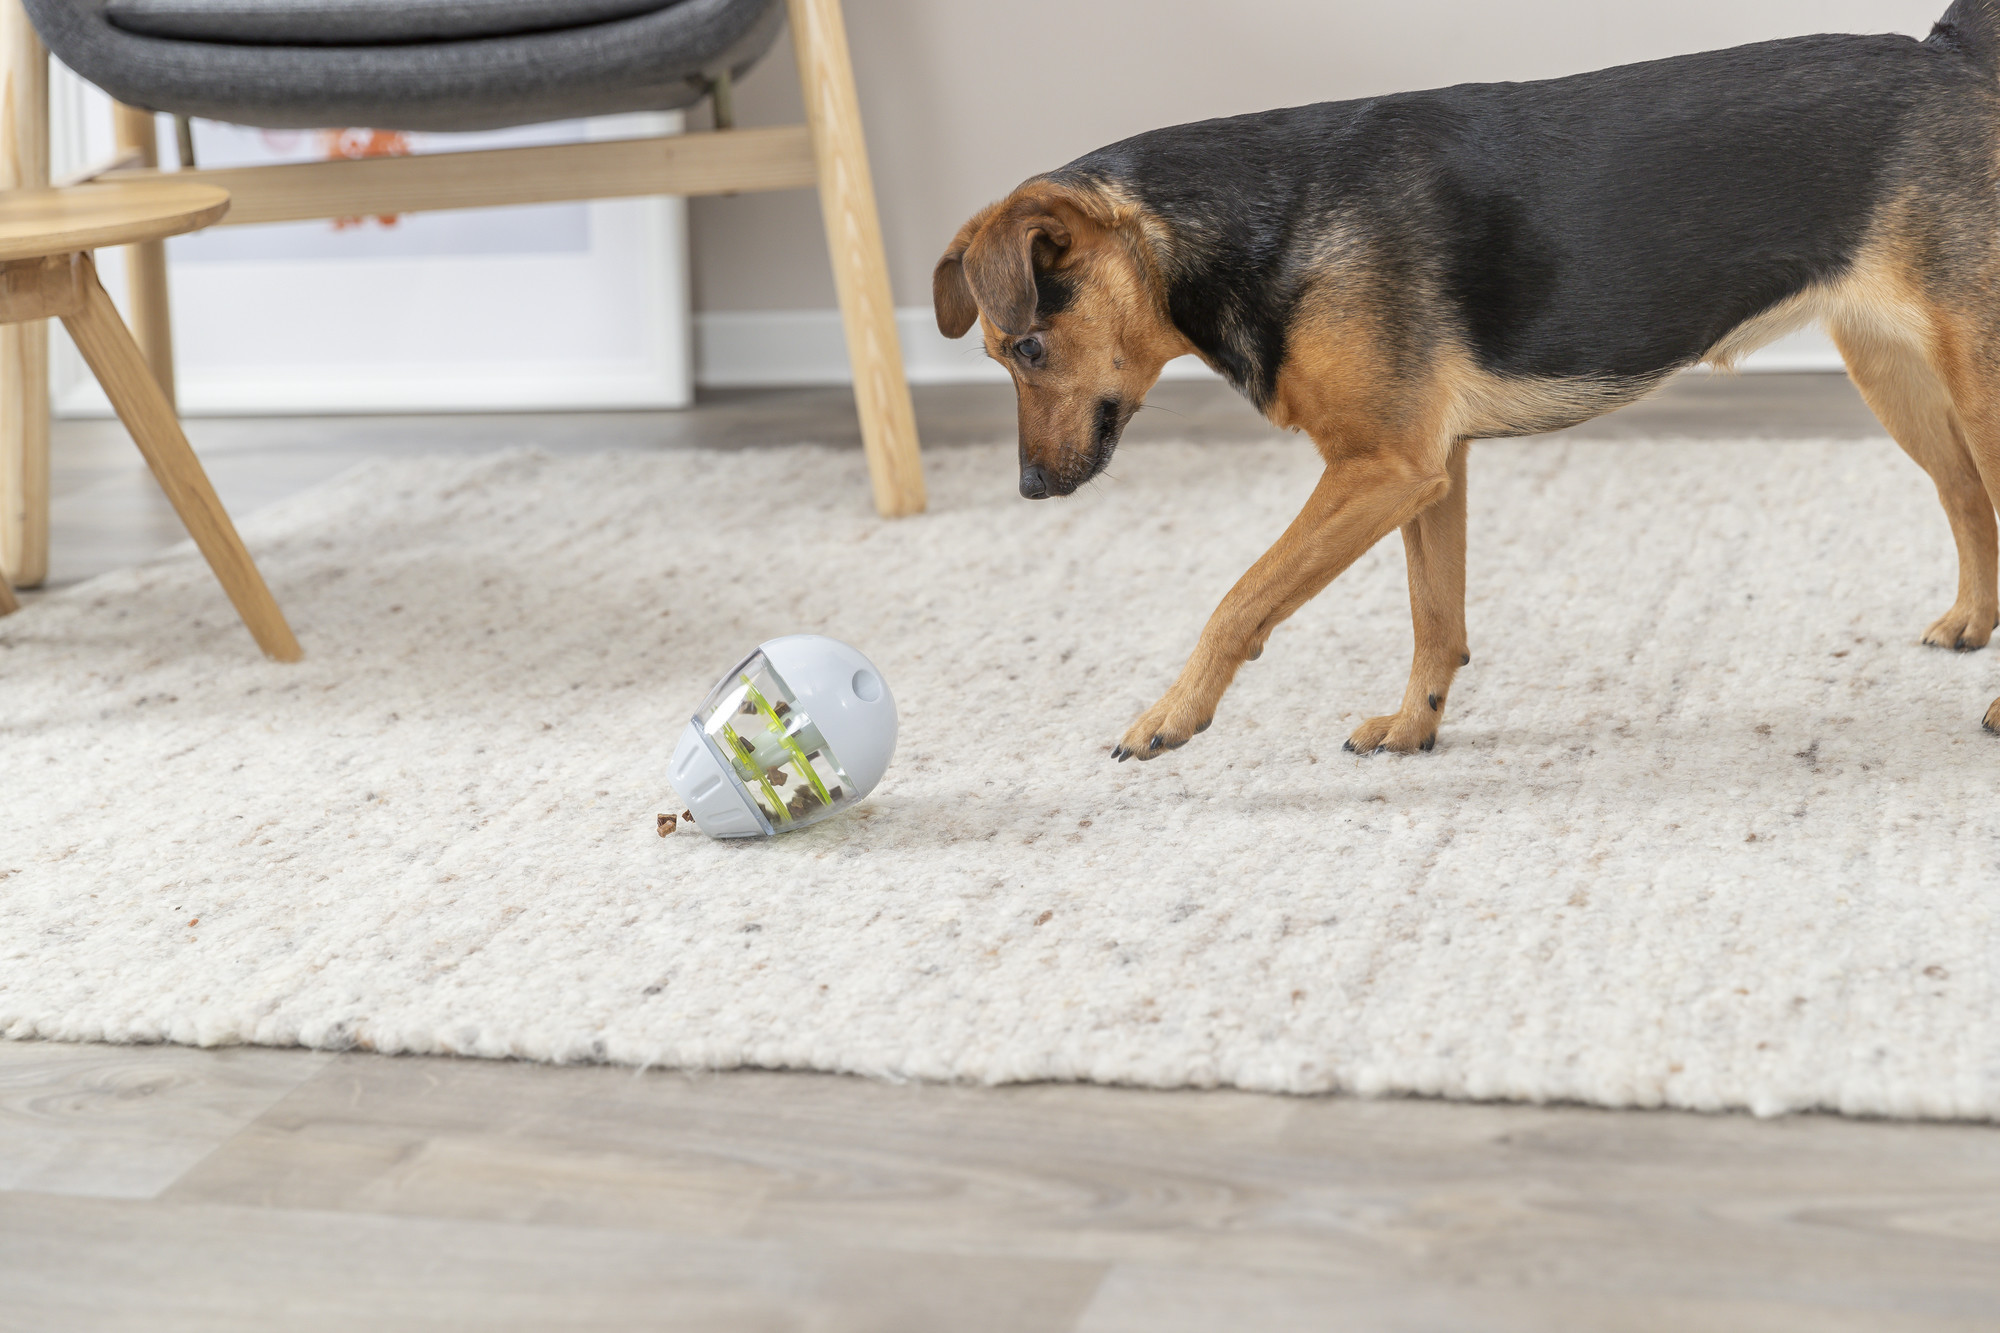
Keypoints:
(540, 308)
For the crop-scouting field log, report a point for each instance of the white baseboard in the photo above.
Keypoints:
(758, 348)
(366, 392)
(735, 349)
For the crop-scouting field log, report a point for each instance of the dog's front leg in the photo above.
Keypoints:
(1359, 500)
(1434, 549)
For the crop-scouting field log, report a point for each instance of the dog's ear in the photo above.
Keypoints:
(992, 263)
(957, 311)
(999, 266)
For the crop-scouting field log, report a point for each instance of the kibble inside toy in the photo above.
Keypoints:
(802, 729)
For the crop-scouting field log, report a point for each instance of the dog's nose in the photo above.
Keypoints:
(1034, 483)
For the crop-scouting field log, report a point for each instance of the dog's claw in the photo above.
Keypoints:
(1414, 733)
(1204, 726)
(1156, 746)
(1465, 659)
(1254, 653)
(1958, 631)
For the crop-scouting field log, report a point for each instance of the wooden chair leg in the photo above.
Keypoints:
(860, 267)
(24, 348)
(146, 263)
(128, 381)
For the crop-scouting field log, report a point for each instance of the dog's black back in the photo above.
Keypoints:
(1611, 226)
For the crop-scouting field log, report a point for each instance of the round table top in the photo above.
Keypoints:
(34, 223)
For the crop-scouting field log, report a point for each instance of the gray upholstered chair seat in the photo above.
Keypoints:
(360, 22)
(405, 64)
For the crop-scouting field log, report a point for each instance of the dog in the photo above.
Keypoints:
(1400, 276)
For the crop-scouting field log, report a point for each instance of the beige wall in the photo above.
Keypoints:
(965, 98)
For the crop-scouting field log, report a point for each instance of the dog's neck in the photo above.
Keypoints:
(1222, 234)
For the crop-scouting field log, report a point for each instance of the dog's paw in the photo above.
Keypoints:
(1963, 630)
(1401, 733)
(1993, 718)
(1166, 726)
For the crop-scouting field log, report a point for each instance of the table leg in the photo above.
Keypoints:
(24, 348)
(142, 405)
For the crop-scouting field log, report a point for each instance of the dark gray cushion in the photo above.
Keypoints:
(656, 60)
(360, 22)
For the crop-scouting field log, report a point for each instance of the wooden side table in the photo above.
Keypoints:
(46, 272)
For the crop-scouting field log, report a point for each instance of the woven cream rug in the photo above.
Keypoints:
(1707, 826)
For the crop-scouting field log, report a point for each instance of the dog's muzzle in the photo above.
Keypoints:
(1037, 483)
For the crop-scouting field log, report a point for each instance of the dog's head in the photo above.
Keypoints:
(1060, 281)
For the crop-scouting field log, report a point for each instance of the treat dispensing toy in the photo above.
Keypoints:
(803, 728)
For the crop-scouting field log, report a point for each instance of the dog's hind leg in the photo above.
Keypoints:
(1363, 496)
(1434, 550)
(1917, 409)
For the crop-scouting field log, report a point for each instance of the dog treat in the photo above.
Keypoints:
(668, 824)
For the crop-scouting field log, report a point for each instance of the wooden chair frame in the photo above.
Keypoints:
(828, 151)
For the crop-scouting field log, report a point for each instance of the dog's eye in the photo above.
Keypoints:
(1029, 350)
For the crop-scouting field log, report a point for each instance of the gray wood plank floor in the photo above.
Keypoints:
(161, 1188)
(157, 1188)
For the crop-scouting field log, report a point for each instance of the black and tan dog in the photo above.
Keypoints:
(1402, 275)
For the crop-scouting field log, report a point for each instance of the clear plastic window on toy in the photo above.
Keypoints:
(755, 721)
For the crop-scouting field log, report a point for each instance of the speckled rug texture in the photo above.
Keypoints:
(1707, 826)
